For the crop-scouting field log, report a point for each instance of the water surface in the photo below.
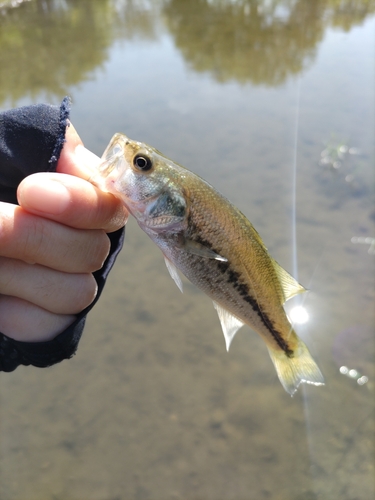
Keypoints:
(271, 102)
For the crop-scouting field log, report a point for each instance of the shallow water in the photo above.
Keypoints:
(245, 94)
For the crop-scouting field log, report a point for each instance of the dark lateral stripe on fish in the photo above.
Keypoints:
(243, 290)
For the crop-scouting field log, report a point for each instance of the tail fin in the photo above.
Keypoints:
(297, 370)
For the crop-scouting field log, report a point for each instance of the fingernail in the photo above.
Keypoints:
(50, 197)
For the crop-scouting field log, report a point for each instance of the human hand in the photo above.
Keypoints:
(52, 243)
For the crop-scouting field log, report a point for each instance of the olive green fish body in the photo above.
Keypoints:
(246, 283)
(215, 246)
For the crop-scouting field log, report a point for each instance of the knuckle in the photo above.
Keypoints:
(78, 294)
(98, 251)
(116, 217)
(35, 240)
(8, 274)
(85, 293)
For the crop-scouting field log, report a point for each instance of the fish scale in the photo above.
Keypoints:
(226, 281)
(214, 245)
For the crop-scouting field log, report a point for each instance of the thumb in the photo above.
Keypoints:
(75, 159)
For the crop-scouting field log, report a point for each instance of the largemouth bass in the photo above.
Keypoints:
(214, 245)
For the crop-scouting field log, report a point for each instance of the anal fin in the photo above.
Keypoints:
(229, 323)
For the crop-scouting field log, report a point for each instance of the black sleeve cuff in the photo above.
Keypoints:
(40, 354)
(31, 140)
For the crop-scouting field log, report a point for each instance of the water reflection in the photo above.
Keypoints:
(366, 241)
(48, 46)
(343, 173)
(350, 352)
(354, 374)
(256, 41)
(299, 315)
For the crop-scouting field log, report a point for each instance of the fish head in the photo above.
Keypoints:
(148, 183)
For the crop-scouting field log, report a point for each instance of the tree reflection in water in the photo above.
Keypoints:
(48, 46)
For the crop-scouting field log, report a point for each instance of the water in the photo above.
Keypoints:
(272, 102)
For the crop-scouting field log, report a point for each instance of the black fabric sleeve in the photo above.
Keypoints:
(31, 140)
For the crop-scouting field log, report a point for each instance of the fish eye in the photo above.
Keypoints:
(142, 162)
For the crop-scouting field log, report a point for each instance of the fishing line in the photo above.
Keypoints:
(294, 183)
(301, 300)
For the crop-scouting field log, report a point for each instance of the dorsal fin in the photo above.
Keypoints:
(229, 323)
(289, 285)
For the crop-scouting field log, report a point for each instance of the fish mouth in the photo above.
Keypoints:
(113, 154)
(111, 160)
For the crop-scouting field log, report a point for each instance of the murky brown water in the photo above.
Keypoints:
(152, 407)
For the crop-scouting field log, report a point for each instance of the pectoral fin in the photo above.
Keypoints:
(198, 249)
(290, 286)
(174, 273)
(229, 323)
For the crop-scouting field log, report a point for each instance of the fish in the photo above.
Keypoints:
(205, 237)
